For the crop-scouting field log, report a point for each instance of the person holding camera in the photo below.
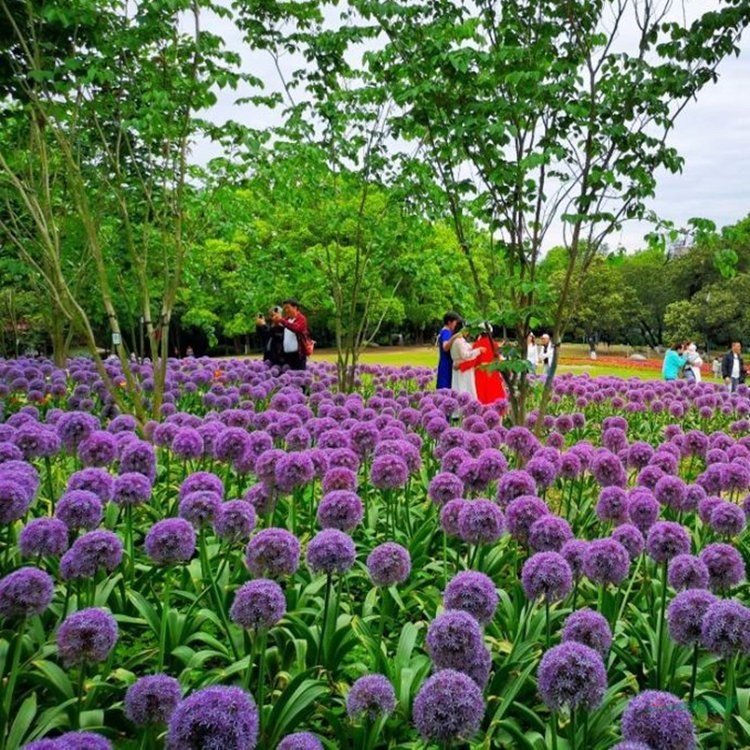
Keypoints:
(296, 342)
(271, 337)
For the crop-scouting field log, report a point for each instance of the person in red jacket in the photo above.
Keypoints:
(490, 386)
(295, 331)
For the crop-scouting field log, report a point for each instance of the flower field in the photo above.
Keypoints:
(274, 564)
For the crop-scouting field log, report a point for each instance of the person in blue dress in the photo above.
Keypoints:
(674, 361)
(447, 335)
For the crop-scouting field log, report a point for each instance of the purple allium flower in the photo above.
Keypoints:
(735, 476)
(472, 476)
(300, 741)
(546, 574)
(639, 454)
(25, 592)
(631, 746)
(14, 501)
(200, 508)
(231, 444)
(631, 538)
(549, 534)
(725, 629)
(480, 522)
(454, 639)
(449, 514)
(492, 464)
(234, 521)
(606, 561)
(44, 744)
(649, 476)
(514, 484)
(572, 675)
(98, 449)
(474, 593)
(339, 478)
(202, 481)
(43, 536)
(574, 552)
(272, 553)
(74, 427)
(170, 541)
(725, 565)
(670, 491)
(727, 519)
(330, 551)
(139, 456)
(131, 489)
(521, 513)
(694, 494)
(685, 615)
(187, 443)
(214, 718)
(660, 720)
(449, 707)
(589, 628)
(82, 741)
(445, 487)
(687, 572)
(293, 470)
(95, 480)
(541, 471)
(389, 472)
(371, 696)
(666, 540)
(521, 441)
(79, 509)
(613, 505)
(706, 507)
(453, 459)
(389, 564)
(152, 699)
(340, 510)
(86, 636)
(94, 550)
(607, 469)
(570, 466)
(258, 604)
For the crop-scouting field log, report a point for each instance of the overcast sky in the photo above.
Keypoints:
(713, 136)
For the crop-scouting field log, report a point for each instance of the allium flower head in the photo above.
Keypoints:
(546, 574)
(79, 509)
(94, 550)
(613, 505)
(448, 708)
(258, 604)
(541, 471)
(82, 741)
(670, 491)
(340, 509)
(480, 522)
(234, 521)
(685, 615)
(607, 469)
(521, 514)
(666, 540)
(187, 443)
(687, 572)
(573, 552)
(98, 449)
(572, 675)
(725, 628)
(25, 592)
(272, 553)
(139, 456)
(549, 533)
(474, 593)
(606, 561)
(389, 472)
(300, 741)
(43, 536)
(449, 514)
(660, 720)
(152, 699)
(132, 488)
(631, 746)
(725, 565)
(214, 718)
(200, 481)
(453, 640)
(74, 427)
(293, 470)
(389, 564)
(170, 541)
(98, 481)
(444, 487)
(514, 484)
(200, 508)
(643, 509)
(371, 696)
(339, 478)
(631, 538)
(330, 551)
(589, 628)
(86, 636)
(727, 519)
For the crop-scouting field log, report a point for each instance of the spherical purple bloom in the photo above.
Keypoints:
(371, 696)
(521, 513)
(170, 541)
(727, 519)
(725, 628)
(389, 472)
(613, 505)
(631, 538)
(293, 470)
(82, 741)
(693, 495)
(74, 427)
(258, 604)
(649, 476)
(200, 508)
(706, 507)
(139, 456)
(514, 484)
(453, 640)
(339, 478)
(131, 489)
(607, 469)
(231, 444)
(725, 565)
(549, 533)
(98, 449)
(541, 471)
(589, 628)
(685, 615)
(152, 699)
(234, 521)
(389, 564)
(25, 592)
(300, 741)
(94, 550)
(660, 720)
(330, 551)
(666, 540)
(449, 515)
(687, 572)
(44, 744)
(572, 675)
(272, 553)
(670, 491)
(86, 636)
(341, 510)
(474, 593)
(639, 454)
(546, 574)
(492, 464)
(262, 498)
(606, 561)
(631, 746)
(187, 443)
(445, 487)
(95, 480)
(202, 481)
(574, 552)
(43, 536)
(520, 440)
(79, 509)
(214, 718)
(480, 522)
(14, 501)
(449, 707)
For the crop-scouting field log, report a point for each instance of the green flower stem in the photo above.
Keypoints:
(660, 636)
(728, 702)
(553, 725)
(381, 661)
(163, 634)
(81, 687)
(547, 622)
(694, 673)
(50, 485)
(7, 704)
(260, 693)
(320, 655)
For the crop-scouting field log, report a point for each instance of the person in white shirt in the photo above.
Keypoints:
(694, 362)
(532, 353)
(546, 353)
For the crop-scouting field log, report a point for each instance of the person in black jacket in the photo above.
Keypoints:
(271, 337)
(732, 367)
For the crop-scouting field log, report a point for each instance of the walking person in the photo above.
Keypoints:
(674, 361)
(446, 337)
(732, 367)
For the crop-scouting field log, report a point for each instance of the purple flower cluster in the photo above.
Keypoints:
(371, 696)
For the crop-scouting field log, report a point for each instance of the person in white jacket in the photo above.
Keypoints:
(463, 382)
(694, 361)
